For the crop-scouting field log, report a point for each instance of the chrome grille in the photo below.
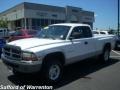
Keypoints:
(12, 52)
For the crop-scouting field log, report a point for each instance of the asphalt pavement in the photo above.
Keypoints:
(85, 75)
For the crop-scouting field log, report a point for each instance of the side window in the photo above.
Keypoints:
(0, 31)
(87, 32)
(77, 33)
(102, 32)
(81, 32)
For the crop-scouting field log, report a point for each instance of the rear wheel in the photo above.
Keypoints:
(105, 56)
(116, 46)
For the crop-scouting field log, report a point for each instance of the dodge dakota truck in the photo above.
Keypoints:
(54, 47)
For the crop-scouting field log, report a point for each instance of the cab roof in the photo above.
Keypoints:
(72, 24)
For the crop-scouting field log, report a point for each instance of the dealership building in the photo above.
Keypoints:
(34, 16)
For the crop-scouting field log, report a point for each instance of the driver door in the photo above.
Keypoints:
(80, 45)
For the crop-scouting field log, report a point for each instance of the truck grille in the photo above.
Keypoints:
(12, 52)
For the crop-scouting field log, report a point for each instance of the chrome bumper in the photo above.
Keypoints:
(22, 66)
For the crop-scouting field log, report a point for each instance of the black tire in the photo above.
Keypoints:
(17, 73)
(105, 56)
(116, 46)
(49, 65)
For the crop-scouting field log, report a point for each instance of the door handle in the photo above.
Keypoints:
(86, 43)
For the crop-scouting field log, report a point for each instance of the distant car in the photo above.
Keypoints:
(104, 32)
(96, 32)
(4, 32)
(101, 32)
(107, 33)
(20, 34)
(2, 43)
(117, 44)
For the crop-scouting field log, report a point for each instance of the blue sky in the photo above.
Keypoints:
(105, 10)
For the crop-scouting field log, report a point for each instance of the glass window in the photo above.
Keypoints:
(81, 32)
(1, 30)
(38, 22)
(42, 22)
(45, 22)
(54, 32)
(102, 33)
(52, 21)
(54, 15)
(33, 22)
(73, 10)
(77, 33)
(87, 32)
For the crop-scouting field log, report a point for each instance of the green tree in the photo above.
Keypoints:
(4, 23)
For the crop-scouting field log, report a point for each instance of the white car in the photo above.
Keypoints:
(100, 32)
(4, 32)
(54, 47)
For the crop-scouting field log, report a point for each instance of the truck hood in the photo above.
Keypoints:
(33, 42)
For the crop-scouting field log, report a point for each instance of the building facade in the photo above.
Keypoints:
(34, 16)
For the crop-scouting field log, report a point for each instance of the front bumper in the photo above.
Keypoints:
(22, 66)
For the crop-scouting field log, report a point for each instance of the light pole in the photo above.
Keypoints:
(118, 19)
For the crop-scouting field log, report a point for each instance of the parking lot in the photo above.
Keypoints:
(86, 75)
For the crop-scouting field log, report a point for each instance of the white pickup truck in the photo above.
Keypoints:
(55, 47)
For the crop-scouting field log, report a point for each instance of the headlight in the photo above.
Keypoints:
(29, 56)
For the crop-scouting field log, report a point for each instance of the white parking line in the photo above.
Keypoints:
(115, 56)
(116, 52)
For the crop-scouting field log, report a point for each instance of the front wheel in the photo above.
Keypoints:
(53, 70)
(16, 73)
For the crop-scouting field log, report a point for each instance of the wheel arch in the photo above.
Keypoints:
(107, 45)
(59, 55)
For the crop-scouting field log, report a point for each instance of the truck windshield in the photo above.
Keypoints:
(54, 32)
